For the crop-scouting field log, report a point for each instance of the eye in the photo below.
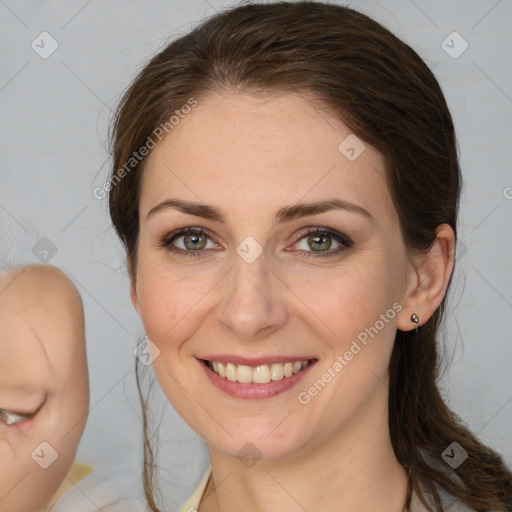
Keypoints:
(315, 243)
(11, 418)
(189, 241)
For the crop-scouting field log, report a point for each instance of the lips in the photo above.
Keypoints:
(255, 378)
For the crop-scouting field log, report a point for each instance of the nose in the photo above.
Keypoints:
(253, 304)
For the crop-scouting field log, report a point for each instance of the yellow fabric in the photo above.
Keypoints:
(77, 471)
(192, 504)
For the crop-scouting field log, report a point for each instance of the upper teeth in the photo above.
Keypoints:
(258, 374)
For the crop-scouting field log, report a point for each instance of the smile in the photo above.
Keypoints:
(262, 374)
(256, 379)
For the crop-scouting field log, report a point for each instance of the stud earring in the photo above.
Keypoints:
(415, 321)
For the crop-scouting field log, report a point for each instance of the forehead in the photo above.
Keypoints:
(25, 365)
(259, 148)
(38, 326)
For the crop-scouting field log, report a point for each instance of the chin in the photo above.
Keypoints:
(255, 444)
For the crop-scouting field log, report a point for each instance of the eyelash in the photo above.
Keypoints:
(19, 417)
(344, 240)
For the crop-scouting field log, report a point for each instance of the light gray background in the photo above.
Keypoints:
(54, 117)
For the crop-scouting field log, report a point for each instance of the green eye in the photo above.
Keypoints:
(10, 418)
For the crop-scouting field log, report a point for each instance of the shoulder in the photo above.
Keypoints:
(192, 504)
(76, 473)
(449, 502)
(109, 489)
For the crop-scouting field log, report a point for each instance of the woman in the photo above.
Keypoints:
(286, 185)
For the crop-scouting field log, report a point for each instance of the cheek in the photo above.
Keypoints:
(339, 303)
(345, 302)
(358, 327)
(358, 313)
(170, 302)
(15, 463)
(25, 485)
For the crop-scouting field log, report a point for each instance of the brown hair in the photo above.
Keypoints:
(380, 88)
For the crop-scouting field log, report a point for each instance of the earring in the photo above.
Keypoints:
(415, 321)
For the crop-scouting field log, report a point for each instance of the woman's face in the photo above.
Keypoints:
(257, 287)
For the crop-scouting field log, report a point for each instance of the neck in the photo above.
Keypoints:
(354, 469)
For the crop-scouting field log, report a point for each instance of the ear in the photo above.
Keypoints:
(428, 279)
(133, 287)
(134, 297)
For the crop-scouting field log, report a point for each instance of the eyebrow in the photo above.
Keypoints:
(21, 386)
(284, 214)
(44, 399)
(24, 387)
